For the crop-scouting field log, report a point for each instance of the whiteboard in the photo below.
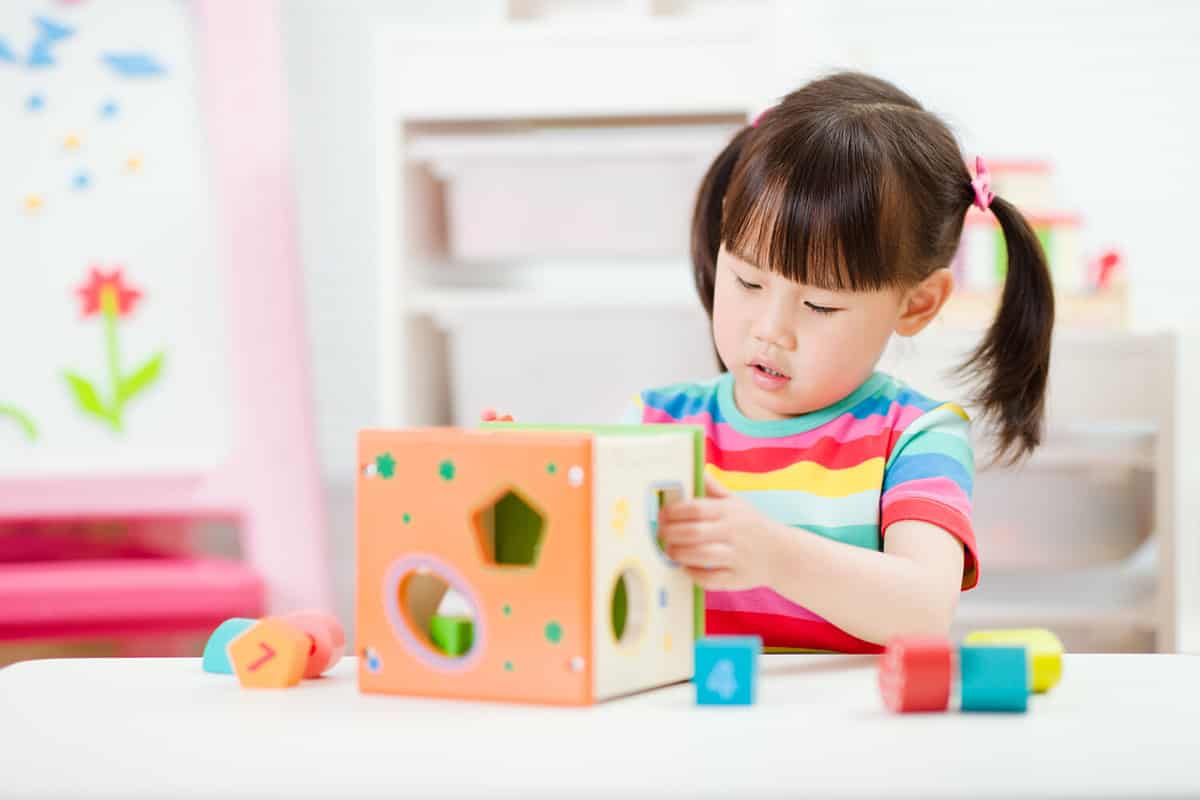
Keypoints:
(103, 167)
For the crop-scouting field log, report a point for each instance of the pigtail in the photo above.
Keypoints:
(1010, 365)
(706, 221)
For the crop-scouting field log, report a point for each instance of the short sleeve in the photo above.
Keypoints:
(632, 415)
(930, 475)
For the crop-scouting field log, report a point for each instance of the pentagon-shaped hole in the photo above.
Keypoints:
(443, 619)
(510, 531)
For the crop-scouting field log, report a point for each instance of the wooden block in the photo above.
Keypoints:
(993, 677)
(1045, 652)
(915, 673)
(216, 659)
(452, 635)
(271, 654)
(727, 670)
(320, 650)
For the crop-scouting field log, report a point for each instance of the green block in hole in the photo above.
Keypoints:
(452, 636)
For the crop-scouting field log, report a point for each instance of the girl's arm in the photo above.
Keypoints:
(912, 587)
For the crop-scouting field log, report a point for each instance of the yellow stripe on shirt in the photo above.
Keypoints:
(806, 476)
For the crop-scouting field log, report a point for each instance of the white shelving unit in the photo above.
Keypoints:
(532, 170)
(499, 121)
(1094, 535)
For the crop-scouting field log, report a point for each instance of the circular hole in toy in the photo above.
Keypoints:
(628, 606)
(441, 618)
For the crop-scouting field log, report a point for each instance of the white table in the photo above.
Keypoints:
(1121, 725)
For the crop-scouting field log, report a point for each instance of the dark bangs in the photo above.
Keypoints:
(818, 206)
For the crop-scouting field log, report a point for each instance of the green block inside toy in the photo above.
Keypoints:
(452, 635)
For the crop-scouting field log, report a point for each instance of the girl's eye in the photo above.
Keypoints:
(746, 285)
(821, 309)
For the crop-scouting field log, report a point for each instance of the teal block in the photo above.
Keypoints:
(727, 670)
(994, 678)
(216, 657)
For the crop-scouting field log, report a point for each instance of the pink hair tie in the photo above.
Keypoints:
(760, 116)
(982, 184)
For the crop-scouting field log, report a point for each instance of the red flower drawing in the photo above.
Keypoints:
(107, 293)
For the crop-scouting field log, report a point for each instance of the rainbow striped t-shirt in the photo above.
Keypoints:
(882, 454)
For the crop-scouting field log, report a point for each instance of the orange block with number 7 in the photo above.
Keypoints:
(270, 655)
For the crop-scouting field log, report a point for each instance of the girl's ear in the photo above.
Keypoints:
(922, 302)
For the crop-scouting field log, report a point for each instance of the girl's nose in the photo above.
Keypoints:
(775, 326)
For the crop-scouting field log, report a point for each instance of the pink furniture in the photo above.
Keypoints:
(270, 486)
(118, 596)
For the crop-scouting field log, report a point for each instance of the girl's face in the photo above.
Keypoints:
(792, 348)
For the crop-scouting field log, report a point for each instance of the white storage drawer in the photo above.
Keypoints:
(570, 192)
(569, 365)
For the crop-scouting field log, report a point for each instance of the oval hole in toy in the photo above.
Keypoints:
(628, 606)
(442, 619)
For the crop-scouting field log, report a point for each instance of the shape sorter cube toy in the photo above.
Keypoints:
(521, 563)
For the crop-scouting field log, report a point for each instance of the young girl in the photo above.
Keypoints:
(838, 512)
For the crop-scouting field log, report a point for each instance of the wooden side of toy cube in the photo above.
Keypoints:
(418, 495)
(657, 646)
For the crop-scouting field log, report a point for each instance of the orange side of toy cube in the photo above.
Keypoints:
(420, 497)
(270, 655)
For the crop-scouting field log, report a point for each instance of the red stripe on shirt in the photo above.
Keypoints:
(828, 452)
(777, 630)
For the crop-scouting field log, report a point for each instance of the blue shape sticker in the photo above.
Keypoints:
(134, 65)
(50, 31)
(39, 55)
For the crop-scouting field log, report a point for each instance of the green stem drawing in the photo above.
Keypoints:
(22, 419)
(112, 304)
(113, 350)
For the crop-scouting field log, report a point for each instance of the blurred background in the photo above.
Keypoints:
(226, 255)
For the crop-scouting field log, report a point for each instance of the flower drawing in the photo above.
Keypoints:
(108, 296)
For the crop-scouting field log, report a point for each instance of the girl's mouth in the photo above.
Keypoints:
(768, 378)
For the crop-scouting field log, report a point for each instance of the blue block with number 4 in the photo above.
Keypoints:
(727, 670)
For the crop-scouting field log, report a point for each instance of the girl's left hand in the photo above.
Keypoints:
(721, 540)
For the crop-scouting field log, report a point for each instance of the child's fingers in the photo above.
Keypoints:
(712, 579)
(688, 533)
(698, 508)
(711, 555)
